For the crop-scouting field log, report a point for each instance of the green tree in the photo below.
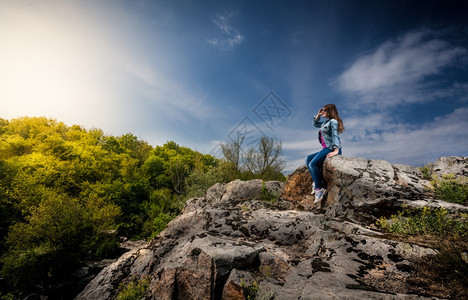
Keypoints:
(59, 233)
(64, 190)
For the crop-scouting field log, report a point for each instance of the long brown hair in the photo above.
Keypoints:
(332, 113)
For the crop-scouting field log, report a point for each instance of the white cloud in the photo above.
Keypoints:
(402, 70)
(230, 36)
(405, 143)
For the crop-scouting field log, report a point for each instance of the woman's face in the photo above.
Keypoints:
(324, 112)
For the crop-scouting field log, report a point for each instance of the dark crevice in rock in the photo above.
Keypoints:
(405, 268)
(319, 265)
(364, 287)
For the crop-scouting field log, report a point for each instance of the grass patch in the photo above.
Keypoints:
(244, 207)
(445, 273)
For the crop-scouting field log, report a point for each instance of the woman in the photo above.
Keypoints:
(329, 137)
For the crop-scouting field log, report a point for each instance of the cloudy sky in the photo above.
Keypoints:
(201, 72)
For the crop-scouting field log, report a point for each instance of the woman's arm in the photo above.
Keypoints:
(333, 153)
(335, 138)
(320, 113)
(317, 122)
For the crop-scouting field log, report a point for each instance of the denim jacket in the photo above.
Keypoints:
(330, 133)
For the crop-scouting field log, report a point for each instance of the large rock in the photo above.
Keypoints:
(364, 190)
(457, 165)
(234, 193)
(298, 185)
(235, 241)
(288, 254)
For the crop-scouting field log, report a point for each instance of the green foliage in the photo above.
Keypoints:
(201, 179)
(451, 188)
(7, 296)
(154, 226)
(8, 208)
(426, 221)
(448, 268)
(59, 233)
(66, 193)
(244, 207)
(250, 291)
(266, 195)
(426, 171)
(135, 290)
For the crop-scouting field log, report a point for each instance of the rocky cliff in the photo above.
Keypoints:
(269, 239)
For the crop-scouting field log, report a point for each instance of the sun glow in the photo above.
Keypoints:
(49, 65)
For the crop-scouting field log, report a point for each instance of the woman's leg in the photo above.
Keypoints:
(309, 159)
(315, 166)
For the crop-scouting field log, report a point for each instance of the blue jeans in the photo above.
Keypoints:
(315, 162)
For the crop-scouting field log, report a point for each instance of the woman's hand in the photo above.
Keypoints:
(333, 153)
(319, 113)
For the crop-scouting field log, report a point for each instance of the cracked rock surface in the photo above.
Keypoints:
(231, 240)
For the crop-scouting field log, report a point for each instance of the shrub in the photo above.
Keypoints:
(426, 171)
(59, 233)
(266, 195)
(444, 274)
(7, 296)
(426, 221)
(250, 291)
(153, 227)
(135, 290)
(451, 188)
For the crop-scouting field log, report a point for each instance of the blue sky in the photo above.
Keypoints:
(200, 72)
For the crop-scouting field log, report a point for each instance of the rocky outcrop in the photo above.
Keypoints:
(363, 190)
(456, 165)
(248, 237)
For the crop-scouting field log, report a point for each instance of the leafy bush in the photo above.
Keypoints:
(451, 188)
(135, 290)
(426, 171)
(448, 268)
(262, 160)
(8, 296)
(153, 227)
(427, 221)
(266, 195)
(59, 233)
(250, 291)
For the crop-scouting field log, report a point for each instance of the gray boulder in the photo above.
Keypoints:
(270, 239)
(457, 165)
